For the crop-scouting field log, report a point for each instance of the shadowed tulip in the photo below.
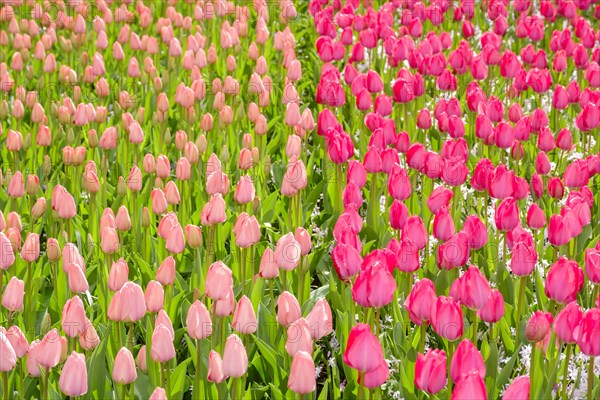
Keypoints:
(73, 377)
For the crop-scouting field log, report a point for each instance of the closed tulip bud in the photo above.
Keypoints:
(8, 357)
(566, 321)
(346, 261)
(162, 349)
(16, 186)
(193, 234)
(73, 317)
(586, 333)
(109, 240)
(76, 279)
(302, 377)
(128, 304)
(31, 248)
(564, 281)
(420, 300)
(122, 220)
(175, 240)
(447, 318)
(443, 225)
(219, 281)
(213, 212)
(538, 326)
(288, 252)
(158, 394)
(288, 309)
(303, 237)
(141, 359)
(119, 272)
(165, 274)
(124, 371)
(298, 337)
(361, 341)
(430, 371)
(50, 351)
(493, 309)
(518, 389)
(466, 358)
(155, 297)
(268, 267)
(506, 216)
(555, 188)
(73, 378)
(215, 368)
(244, 319)
(455, 252)
(90, 339)
(198, 321)
(319, 320)
(244, 192)
(14, 292)
(235, 359)
(471, 386)
(536, 218)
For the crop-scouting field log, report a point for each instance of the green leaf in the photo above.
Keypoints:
(178, 380)
(97, 370)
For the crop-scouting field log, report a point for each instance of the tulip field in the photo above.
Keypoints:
(316, 199)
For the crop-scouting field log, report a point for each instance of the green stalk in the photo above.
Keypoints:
(566, 371)
(197, 378)
(590, 387)
(5, 380)
(474, 327)
(520, 301)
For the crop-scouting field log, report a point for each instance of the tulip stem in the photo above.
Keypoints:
(566, 371)
(590, 387)
(474, 327)
(423, 329)
(5, 380)
(520, 300)
(30, 300)
(360, 394)
(301, 281)
(130, 337)
(198, 370)
(532, 366)
(449, 360)
(123, 392)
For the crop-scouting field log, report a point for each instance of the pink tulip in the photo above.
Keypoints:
(158, 394)
(592, 265)
(117, 276)
(165, 274)
(430, 371)
(175, 241)
(288, 252)
(564, 281)
(538, 326)
(268, 267)
(154, 297)
(128, 304)
(235, 359)
(302, 374)
(471, 386)
(507, 215)
(198, 321)
(586, 333)
(73, 378)
(298, 337)
(30, 251)
(244, 319)
(363, 350)
(246, 230)
(518, 389)
(447, 318)
(50, 350)
(420, 300)
(493, 309)
(17, 340)
(566, 321)
(288, 309)
(466, 359)
(8, 357)
(73, 317)
(14, 293)
(215, 368)
(218, 281)
(214, 211)
(7, 256)
(346, 261)
(124, 371)
(320, 320)
(162, 349)
(90, 339)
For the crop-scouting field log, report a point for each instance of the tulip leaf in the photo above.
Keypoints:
(96, 368)
(178, 380)
(506, 372)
